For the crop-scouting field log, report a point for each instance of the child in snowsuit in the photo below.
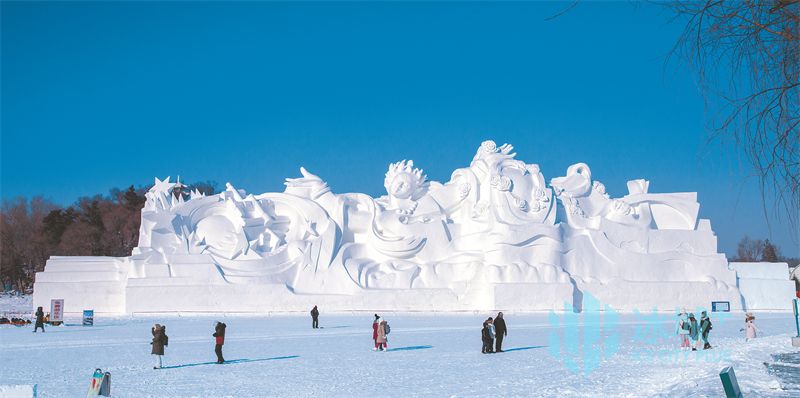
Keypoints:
(750, 326)
(160, 340)
(219, 334)
(683, 330)
(485, 337)
(705, 328)
(39, 320)
(694, 331)
(490, 333)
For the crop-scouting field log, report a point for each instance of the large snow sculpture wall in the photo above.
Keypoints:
(493, 237)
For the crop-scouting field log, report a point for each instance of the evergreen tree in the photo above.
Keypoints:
(770, 253)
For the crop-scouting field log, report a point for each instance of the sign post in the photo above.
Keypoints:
(796, 340)
(729, 383)
(56, 311)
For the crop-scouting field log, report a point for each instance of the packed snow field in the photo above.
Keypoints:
(430, 355)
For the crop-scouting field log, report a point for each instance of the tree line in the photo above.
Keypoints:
(752, 250)
(32, 230)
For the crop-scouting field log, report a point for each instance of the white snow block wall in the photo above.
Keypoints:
(84, 283)
(18, 391)
(765, 286)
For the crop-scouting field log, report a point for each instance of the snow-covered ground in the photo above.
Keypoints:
(13, 305)
(431, 355)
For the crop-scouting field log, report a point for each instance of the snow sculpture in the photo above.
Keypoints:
(486, 239)
(641, 250)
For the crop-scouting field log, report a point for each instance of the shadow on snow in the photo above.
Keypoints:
(524, 348)
(234, 361)
(413, 347)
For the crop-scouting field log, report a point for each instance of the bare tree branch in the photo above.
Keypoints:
(747, 58)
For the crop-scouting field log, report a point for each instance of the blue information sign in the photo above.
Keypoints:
(88, 317)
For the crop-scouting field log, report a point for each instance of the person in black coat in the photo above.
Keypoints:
(500, 331)
(315, 318)
(39, 320)
(219, 334)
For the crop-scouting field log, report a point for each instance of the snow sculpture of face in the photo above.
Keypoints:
(219, 233)
(402, 186)
(405, 185)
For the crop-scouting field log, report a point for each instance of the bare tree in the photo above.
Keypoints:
(23, 246)
(747, 57)
(750, 250)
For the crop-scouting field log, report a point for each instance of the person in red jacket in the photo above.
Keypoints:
(219, 333)
(375, 324)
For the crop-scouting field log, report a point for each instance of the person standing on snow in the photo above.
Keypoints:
(491, 335)
(315, 318)
(501, 330)
(683, 330)
(750, 326)
(219, 334)
(694, 331)
(381, 340)
(375, 324)
(705, 328)
(485, 338)
(39, 320)
(160, 340)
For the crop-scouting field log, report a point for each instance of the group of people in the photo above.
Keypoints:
(492, 334)
(380, 330)
(689, 329)
(161, 341)
(15, 321)
(691, 333)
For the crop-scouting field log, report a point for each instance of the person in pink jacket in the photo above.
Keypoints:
(750, 328)
(381, 339)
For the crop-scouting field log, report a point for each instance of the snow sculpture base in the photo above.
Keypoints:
(152, 297)
(661, 296)
(496, 236)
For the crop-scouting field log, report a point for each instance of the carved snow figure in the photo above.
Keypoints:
(494, 236)
(621, 249)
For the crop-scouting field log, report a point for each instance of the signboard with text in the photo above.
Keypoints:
(720, 306)
(57, 310)
(88, 317)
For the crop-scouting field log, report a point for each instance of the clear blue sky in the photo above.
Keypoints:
(98, 95)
